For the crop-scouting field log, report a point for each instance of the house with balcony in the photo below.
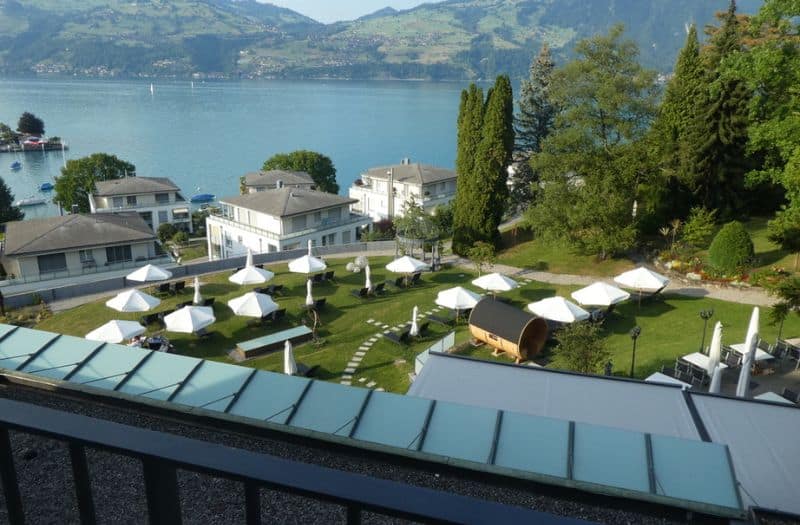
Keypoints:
(385, 191)
(157, 200)
(281, 219)
(78, 244)
(276, 179)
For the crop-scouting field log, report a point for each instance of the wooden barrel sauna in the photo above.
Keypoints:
(507, 329)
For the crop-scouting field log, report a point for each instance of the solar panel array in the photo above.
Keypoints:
(595, 458)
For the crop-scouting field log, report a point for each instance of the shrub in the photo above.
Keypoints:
(181, 238)
(699, 227)
(166, 232)
(732, 249)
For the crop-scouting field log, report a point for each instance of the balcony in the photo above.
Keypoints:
(323, 226)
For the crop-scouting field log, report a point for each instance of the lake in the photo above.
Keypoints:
(205, 136)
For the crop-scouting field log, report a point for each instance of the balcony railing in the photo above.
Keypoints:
(162, 454)
(320, 228)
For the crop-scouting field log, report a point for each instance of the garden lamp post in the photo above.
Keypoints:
(705, 315)
(636, 331)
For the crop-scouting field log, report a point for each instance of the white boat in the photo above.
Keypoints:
(30, 201)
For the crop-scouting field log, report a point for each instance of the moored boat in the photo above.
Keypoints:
(46, 186)
(30, 201)
(16, 165)
(202, 197)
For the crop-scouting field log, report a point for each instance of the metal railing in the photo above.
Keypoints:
(162, 454)
(89, 267)
(320, 228)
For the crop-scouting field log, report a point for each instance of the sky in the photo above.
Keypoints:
(335, 10)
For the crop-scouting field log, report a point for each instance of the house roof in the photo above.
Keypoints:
(288, 201)
(72, 232)
(133, 185)
(270, 178)
(414, 173)
(761, 436)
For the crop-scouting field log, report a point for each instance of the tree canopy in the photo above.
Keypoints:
(30, 124)
(78, 177)
(8, 212)
(315, 164)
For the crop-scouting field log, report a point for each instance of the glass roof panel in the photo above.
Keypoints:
(610, 456)
(537, 444)
(693, 470)
(109, 366)
(393, 420)
(20, 344)
(269, 396)
(159, 376)
(213, 386)
(61, 357)
(331, 408)
(460, 431)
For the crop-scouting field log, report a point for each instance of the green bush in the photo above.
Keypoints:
(166, 232)
(732, 249)
(699, 227)
(181, 238)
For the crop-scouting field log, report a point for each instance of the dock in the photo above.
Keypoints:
(16, 148)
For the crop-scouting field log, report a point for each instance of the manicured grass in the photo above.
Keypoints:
(536, 254)
(768, 254)
(670, 328)
(195, 250)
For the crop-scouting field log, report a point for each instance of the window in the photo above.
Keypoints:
(118, 254)
(346, 237)
(317, 217)
(299, 223)
(86, 256)
(163, 217)
(131, 199)
(55, 262)
(162, 198)
(228, 242)
(179, 198)
(180, 214)
(116, 202)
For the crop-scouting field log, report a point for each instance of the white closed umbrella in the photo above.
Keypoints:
(495, 282)
(133, 301)
(716, 381)
(116, 331)
(190, 319)
(414, 331)
(249, 260)
(197, 299)
(289, 364)
(642, 280)
(309, 297)
(457, 298)
(750, 345)
(368, 274)
(715, 350)
(406, 264)
(149, 272)
(600, 294)
(558, 309)
(253, 304)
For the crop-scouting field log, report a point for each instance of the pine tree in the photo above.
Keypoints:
(470, 122)
(716, 168)
(8, 212)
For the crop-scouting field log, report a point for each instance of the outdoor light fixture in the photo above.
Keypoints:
(635, 332)
(705, 315)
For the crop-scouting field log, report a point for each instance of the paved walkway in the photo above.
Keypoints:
(754, 296)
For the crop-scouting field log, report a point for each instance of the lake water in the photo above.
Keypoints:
(205, 137)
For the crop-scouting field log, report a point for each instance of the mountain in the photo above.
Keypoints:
(454, 39)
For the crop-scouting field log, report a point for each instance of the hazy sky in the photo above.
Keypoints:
(335, 10)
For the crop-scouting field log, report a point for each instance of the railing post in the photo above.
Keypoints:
(353, 515)
(8, 474)
(161, 488)
(252, 502)
(83, 487)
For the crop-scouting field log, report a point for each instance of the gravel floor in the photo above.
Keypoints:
(46, 482)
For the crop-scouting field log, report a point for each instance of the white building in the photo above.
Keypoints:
(281, 219)
(383, 192)
(273, 179)
(157, 200)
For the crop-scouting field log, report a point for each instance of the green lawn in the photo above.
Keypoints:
(525, 252)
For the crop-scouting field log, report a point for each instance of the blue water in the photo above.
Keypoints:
(204, 138)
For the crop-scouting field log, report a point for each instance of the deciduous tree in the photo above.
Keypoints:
(581, 348)
(30, 124)
(8, 212)
(78, 177)
(315, 164)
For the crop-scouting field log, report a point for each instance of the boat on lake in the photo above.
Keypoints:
(46, 186)
(29, 201)
(16, 165)
(202, 197)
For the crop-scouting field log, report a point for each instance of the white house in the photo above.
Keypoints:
(281, 219)
(157, 200)
(77, 244)
(383, 192)
(273, 179)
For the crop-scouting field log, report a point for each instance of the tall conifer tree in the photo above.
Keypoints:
(470, 122)
(8, 212)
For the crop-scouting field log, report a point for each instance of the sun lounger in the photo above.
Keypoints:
(181, 305)
(379, 289)
(317, 278)
(400, 338)
(444, 321)
(163, 288)
(147, 320)
(209, 301)
(318, 305)
(791, 395)
(416, 279)
(328, 276)
(178, 286)
(362, 293)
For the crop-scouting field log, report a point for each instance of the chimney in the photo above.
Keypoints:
(74, 209)
(390, 194)
(279, 184)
